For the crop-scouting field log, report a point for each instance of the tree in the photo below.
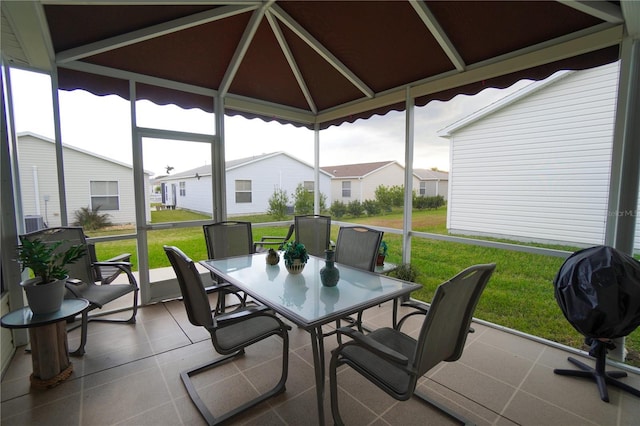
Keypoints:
(278, 204)
(384, 198)
(302, 200)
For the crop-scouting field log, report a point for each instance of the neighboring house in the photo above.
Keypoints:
(91, 181)
(359, 181)
(534, 166)
(431, 183)
(250, 182)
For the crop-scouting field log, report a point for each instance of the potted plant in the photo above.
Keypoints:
(295, 257)
(46, 290)
(382, 253)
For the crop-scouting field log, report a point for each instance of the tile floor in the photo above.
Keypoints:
(130, 376)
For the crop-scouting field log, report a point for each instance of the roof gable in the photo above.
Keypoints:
(357, 170)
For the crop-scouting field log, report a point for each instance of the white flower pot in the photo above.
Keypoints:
(44, 298)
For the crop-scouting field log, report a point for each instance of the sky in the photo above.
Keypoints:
(101, 124)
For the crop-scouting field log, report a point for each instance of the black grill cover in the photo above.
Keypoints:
(598, 290)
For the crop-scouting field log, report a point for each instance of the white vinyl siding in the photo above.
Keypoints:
(104, 195)
(538, 169)
(38, 175)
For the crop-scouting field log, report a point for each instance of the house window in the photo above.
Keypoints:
(346, 189)
(243, 191)
(423, 188)
(308, 185)
(104, 195)
(183, 189)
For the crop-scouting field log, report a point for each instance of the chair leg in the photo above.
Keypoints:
(444, 409)
(83, 334)
(333, 391)
(200, 405)
(599, 375)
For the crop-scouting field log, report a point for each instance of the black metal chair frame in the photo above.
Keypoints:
(394, 361)
(83, 276)
(272, 241)
(225, 330)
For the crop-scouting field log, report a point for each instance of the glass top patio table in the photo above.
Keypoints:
(303, 299)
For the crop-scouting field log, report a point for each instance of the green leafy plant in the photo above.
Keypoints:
(44, 261)
(91, 220)
(382, 250)
(405, 272)
(278, 204)
(294, 250)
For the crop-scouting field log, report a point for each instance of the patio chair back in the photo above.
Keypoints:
(314, 231)
(195, 298)
(358, 246)
(445, 329)
(88, 272)
(227, 239)
(82, 269)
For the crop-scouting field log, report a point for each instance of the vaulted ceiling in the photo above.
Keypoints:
(308, 62)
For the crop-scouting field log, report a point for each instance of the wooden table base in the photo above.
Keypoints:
(49, 355)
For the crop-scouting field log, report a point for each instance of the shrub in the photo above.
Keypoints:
(355, 208)
(371, 207)
(90, 220)
(278, 204)
(338, 209)
(384, 198)
(405, 272)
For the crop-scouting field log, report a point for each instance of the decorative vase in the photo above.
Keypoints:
(296, 267)
(44, 298)
(380, 260)
(329, 274)
(273, 257)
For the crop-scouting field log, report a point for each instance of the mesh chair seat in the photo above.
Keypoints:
(85, 271)
(394, 361)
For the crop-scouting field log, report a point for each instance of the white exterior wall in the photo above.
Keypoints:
(80, 169)
(365, 188)
(197, 196)
(538, 169)
(265, 175)
(280, 171)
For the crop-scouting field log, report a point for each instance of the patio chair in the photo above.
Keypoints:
(314, 231)
(394, 361)
(357, 246)
(230, 333)
(273, 241)
(84, 278)
(227, 239)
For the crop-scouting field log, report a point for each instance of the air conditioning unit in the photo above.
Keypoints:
(33, 223)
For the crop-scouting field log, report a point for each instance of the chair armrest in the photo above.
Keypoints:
(229, 318)
(123, 266)
(124, 257)
(421, 306)
(374, 346)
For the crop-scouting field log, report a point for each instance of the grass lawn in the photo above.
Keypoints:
(520, 294)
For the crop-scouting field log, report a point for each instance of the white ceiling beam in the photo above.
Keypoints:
(277, 31)
(600, 9)
(243, 46)
(506, 64)
(29, 26)
(321, 50)
(438, 33)
(148, 33)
